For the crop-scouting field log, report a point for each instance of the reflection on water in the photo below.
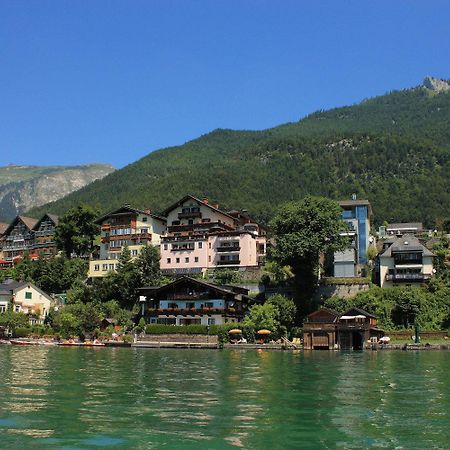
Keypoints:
(152, 398)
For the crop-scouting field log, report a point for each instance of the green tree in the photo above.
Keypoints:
(147, 266)
(76, 231)
(286, 310)
(263, 316)
(303, 231)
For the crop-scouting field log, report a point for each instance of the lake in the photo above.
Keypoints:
(72, 398)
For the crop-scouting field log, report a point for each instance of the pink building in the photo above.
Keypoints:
(200, 236)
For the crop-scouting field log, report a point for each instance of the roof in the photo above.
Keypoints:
(29, 222)
(355, 311)
(54, 218)
(353, 203)
(404, 244)
(127, 208)
(11, 285)
(186, 197)
(222, 289)
(327, 311)
(405, 226)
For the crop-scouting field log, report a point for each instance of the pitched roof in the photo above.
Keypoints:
(406, 243)
(405, 226)
(224, 290)
(29, 222)
(11, 285)
(52, 217)
(129, 209)
(188, 196)
(327, 311)
(354, 310)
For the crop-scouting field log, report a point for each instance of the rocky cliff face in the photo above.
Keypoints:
(24, 187)
(435, 84)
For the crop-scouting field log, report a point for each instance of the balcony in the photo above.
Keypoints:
(192, 311)
(405, 277)
(189, 215)
(225, 248)
(229, 262)
(44, 233)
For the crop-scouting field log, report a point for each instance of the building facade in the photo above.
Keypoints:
(25, 297)
(188, 301)
(28, 235)
(124, 227)
(200, 236)
(326, 329)
(358, 215)
(405, 262)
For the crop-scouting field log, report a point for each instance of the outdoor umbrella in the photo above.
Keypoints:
(264, 332)
(235, 331)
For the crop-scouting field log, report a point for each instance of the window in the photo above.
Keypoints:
(209, 305)
(28, 295)
(104, 267)
(144, 230)
(166, 246)
(196, 259)
(169, 260)
(211, 321)
(200, 244)
(210, 245)
(2, 308)
(177, 260)
(190, 304)
(186, 260)
(111, 267)
(97, 267)
(17, 308)
(134, 252)
(209, 258)
(191, 222)
(144, 219)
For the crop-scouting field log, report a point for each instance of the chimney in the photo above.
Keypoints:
(147, 211)
(205, 200)
(216, 205)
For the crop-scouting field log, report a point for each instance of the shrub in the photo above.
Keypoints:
(21, 332)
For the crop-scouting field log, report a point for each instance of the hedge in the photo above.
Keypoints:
(188, 329)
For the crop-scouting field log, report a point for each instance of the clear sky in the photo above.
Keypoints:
(110, 81)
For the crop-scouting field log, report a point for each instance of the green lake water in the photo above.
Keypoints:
(71, 398)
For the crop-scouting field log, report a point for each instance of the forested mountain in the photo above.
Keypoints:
(393, 150)
(23, 187)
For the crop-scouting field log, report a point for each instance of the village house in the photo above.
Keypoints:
(188, 301)
(25, 297)
(404, 262)
(358, 215)
(28, 235)
(200, 236)
(326, 329)
(125, 226)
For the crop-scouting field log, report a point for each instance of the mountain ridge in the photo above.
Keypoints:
(23, 187)
(387, 149)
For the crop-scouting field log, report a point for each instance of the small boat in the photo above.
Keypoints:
(17, 342)
(70, 343)
(93, 344)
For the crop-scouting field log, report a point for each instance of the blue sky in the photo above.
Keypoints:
(110, 81)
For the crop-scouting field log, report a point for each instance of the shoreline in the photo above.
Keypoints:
(214, 345)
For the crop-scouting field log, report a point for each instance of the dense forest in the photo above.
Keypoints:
(393, 150)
